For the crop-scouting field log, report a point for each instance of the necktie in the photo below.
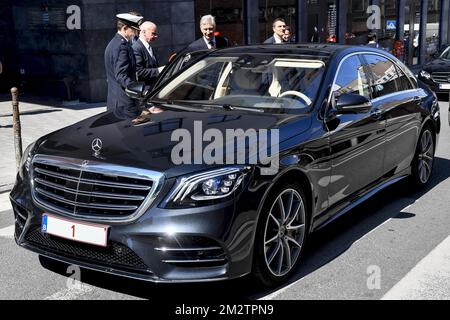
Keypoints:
(211, 44)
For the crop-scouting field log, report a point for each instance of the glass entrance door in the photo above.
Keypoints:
(412, 32)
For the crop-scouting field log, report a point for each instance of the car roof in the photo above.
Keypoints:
(323, 51)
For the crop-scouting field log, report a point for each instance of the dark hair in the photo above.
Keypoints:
(276, 20)
(120, 25)
(371, 37)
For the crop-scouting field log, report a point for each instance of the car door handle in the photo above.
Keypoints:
(377, 113)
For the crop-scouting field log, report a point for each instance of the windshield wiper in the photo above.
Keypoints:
(173, 106)
(230, 107)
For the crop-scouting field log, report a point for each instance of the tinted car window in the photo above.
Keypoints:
(181, 62)
(446, 54)
(403, 81)
(351, 78)
(384, 75)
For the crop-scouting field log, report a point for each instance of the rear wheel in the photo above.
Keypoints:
(422, 165)
(281, 235)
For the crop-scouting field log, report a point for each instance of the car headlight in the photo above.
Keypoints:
(207, 186)
(25, 161)
(425, 74)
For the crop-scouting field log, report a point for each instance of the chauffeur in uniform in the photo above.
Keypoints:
(120, 65)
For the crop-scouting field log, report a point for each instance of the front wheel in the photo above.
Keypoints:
(281, 235)
(422, 165)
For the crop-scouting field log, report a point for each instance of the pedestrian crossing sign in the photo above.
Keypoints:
(391, 24)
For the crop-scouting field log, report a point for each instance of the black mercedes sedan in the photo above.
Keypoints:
(239, 157)
(436, 73)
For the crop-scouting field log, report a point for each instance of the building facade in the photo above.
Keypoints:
(56, 46)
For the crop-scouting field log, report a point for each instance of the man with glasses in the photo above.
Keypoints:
(147, 66)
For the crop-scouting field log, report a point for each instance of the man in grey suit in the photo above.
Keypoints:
(278, 26)
(147, 66)
(120, 65)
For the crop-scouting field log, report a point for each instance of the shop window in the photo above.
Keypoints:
(432, 33)
(383, 24)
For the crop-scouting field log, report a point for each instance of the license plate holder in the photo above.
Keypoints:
(84, 232)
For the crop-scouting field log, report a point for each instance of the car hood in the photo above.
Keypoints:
(438, 65)
(149, 145)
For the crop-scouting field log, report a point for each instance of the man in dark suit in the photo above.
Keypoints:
(278, 27)
(208, 41)
(120, 65)
(147, 67)
(372, 40)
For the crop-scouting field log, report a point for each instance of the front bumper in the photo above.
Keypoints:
(184, 245)
(434, 86)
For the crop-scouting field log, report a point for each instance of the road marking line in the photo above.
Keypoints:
(7, 232)
(429, 279)
(5, 203)
(71, 293)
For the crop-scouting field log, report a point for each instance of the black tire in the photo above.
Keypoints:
(423, 162)
(271, 265)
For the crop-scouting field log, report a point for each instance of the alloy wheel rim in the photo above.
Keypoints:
(426, 153)
(284, 232)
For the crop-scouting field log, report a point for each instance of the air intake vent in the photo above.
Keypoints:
(115, 255)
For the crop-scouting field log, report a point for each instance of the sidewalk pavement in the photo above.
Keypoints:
(38, 117)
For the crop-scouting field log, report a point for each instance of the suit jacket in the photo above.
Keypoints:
(200, 44)
(373, 45)
(271, 40)
(146, 65)
(120, 66)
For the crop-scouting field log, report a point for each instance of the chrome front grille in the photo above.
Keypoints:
(92, 190)
(441, 77)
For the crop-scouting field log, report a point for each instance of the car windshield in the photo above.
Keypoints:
(271, 83)
(446, 54)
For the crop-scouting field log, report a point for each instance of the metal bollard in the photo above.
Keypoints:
(16, 126)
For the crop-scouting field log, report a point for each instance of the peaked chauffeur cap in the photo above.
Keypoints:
(130, 20)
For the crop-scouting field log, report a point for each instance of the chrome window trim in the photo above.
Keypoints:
(393, 94)
(104, 168)
(362, 53)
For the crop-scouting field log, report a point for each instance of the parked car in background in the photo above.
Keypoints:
(436, 73)
(107, 195)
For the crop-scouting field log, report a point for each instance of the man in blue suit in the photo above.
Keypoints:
(278, 26)
(147, 67)
(120, 65)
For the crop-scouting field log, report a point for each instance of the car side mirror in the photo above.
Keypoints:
(136, 90)
(352, 103)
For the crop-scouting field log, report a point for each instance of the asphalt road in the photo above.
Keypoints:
(394, 246)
